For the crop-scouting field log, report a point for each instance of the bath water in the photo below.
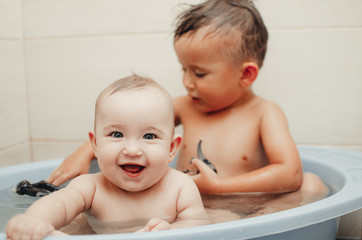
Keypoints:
(221, 208)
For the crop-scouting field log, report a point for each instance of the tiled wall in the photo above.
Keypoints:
(56, 55)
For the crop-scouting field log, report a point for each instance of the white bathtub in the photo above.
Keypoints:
(340, 169)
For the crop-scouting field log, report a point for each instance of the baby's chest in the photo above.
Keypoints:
(120, 208)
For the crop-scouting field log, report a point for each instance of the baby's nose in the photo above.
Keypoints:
(132, 149)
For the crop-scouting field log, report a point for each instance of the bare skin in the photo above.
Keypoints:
(245, 136)
(76, 164)
(109, 203)
(239, 154)
(133, 141)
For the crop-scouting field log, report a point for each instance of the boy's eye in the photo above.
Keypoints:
(149, 136)
(117, 134)
(200, 75)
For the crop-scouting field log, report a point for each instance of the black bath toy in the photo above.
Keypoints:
(201, 156)
(38, 189)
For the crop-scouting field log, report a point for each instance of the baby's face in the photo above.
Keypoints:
(133, 135)
(210, 76)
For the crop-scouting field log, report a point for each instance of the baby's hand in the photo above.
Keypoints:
(155, 224)
(26, 226)
(206, 177)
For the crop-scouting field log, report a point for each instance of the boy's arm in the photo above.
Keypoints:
(283, 174)
(53, 211)
(76, 164)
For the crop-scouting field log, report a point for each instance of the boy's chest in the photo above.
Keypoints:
(232, 143)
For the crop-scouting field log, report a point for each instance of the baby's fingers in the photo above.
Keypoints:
(14, 229)
(27, 227)
(156, 224)
(41, 230)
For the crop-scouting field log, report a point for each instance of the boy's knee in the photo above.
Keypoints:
(312, 183)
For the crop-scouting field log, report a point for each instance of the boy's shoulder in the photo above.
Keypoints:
(181, 101)
(267, 105)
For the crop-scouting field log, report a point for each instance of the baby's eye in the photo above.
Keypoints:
(117, 134)
(149, 136)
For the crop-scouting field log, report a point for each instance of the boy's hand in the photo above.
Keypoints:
(26, 226)
(76, 164)
(155, 224)
(70, 168)
(206, 178)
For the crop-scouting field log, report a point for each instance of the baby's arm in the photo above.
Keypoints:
(284, 172)
(74, 165)
(53, 211)
(191, 211)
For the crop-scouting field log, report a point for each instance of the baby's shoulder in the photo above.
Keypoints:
(176, 177)
(85, 181)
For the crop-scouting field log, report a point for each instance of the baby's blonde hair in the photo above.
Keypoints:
(133, 82)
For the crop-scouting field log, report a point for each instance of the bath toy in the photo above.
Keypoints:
(201, 156)
(37, 189)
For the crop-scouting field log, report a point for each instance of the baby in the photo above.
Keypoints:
(134, 141)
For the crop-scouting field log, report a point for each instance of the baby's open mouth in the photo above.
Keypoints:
(132, 168)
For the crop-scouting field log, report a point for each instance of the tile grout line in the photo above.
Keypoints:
(26, 83)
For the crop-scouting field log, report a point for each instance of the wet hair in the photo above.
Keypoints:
(133, 82)
(237, 22)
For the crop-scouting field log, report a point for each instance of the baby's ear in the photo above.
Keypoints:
(249, 72)
(175, 145)
(92, 139)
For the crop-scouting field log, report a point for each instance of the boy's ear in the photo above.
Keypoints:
(175, 145)
(92, 139)
(249, 72)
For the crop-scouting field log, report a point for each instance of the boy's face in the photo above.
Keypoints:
(210, 77)
(133, 135)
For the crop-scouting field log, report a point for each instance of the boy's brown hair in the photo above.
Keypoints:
(237, 22)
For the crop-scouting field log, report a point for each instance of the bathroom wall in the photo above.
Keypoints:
(56, 55)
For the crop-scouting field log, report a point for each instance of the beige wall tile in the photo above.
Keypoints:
(13, 108)
(310, 13)
(10, 19)
(65, 77)
(45, 18)
(316, 77)
(74, 48)
(47, 150)
(16, 155)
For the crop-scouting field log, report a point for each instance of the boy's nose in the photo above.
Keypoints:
(188, 83)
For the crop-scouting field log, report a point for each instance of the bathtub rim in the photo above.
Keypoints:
(346, 200)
